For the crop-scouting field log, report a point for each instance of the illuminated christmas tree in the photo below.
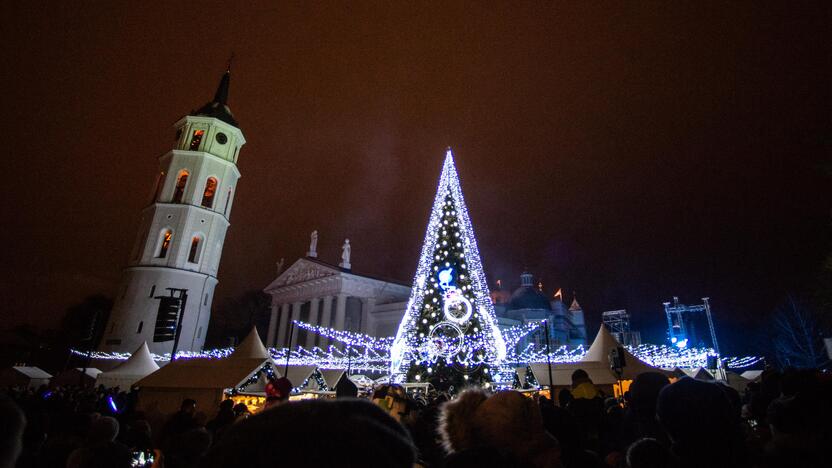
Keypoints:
(448, 335)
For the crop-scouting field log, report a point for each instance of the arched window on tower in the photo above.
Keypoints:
(167, 236)
(179, 190)
(193, 255)
(210, 191)
(159, 184)
(196, 139)
(227, 201)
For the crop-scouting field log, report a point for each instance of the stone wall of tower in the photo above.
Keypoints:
(181, 236)
(134, 312)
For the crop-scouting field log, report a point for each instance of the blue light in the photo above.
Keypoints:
(112, 404)
(681, 343)
(445, 278)
(673, 340)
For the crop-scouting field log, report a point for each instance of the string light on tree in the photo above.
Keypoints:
(449, 326)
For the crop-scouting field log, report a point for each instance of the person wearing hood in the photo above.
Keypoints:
(587, 406)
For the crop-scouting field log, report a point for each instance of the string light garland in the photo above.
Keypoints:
(364, 353)
(265, 369)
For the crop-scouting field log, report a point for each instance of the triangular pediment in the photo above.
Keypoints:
(301, 271)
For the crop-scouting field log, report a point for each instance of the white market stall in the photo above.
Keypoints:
(139, 365)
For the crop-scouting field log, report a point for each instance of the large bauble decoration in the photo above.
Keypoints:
(445, 339)
(457, 307)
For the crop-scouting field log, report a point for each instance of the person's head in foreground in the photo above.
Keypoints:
(507, 424)
(345, 432)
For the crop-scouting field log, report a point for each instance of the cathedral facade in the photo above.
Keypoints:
(331, 296)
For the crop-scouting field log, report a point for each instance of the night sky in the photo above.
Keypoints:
(629, 151)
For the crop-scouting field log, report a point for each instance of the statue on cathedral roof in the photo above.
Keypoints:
(345, 254)
(313, 245)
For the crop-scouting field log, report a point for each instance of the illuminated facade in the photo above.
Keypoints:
(325, 295)
(181, 235)
(528, 304)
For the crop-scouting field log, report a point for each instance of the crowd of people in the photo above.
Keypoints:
(781, 420)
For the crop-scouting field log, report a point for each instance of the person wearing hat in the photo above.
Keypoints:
(277, 392)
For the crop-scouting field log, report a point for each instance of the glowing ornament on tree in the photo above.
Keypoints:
(457, 307)
(446, 339)
(445, 277)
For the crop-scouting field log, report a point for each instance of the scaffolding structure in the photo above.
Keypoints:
(680, 327)
(618, 324)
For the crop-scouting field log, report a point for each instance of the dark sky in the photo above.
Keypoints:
(631, 151)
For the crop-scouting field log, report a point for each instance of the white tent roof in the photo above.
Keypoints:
(361, 381)
(600, 351)
(32, 372)
(521, 374)
(251, 347)
(752, 375)
(736, 381)
(698, 373)
(139, 365)
(90, 371)
(596, 363)
(204, 373)
(297, 374)
(249, 357)
(331, 377)
(598, 372)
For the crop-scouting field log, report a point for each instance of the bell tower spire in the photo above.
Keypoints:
(172, 272)
(218, 107)
(221, 96)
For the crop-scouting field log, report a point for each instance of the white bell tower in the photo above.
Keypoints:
(181, 233)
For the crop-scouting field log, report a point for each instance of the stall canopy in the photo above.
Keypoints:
(331, 377)
(139, 365)
(24, 376)
(521, 375)
(596, 363)
(698, 373)
(300, 376)
(736, 381)
(84, 377)
(205, 380)
(752, 375)
(600, 352)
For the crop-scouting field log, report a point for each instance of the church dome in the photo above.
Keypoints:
(527, 296)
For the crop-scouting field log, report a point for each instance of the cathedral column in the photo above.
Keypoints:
(284, 326)
(367, 304)
(272, 327)
(295, 316)
(313, 320)
(340, 312)
(326, 318)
